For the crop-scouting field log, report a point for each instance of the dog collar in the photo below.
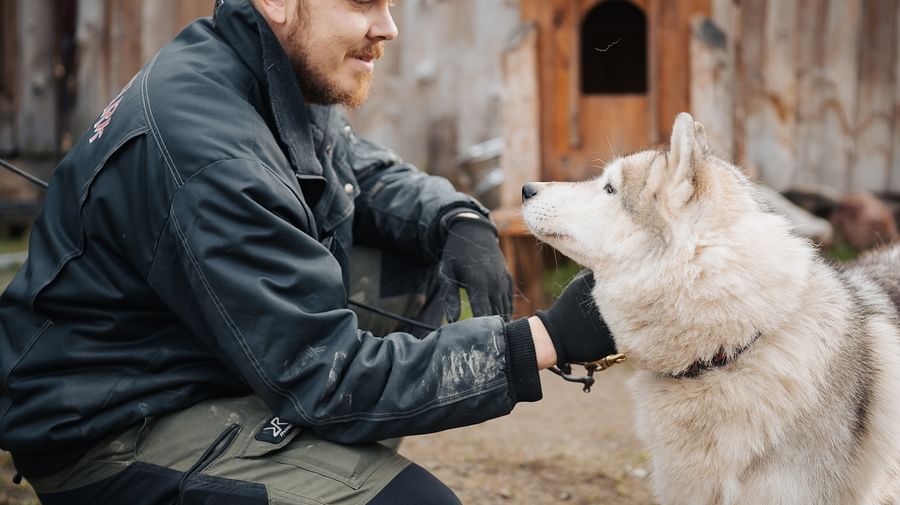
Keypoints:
(719, 360)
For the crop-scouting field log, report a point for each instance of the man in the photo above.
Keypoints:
(180, 332)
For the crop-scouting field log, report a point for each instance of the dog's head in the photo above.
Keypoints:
(643, 203)
(677, 240)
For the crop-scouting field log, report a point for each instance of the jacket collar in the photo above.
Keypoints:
(248, 33)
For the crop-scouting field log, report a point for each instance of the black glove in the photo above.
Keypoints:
(472, 260)
(574, 324)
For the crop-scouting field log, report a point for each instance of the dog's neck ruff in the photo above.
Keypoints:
(720, 359)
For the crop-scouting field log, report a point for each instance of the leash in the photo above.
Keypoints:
(393, 316)
(21, 173)
(565, 371)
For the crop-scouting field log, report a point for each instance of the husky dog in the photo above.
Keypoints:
(764, 375)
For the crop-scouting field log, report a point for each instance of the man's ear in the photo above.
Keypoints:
(275, 11)
(687, 150)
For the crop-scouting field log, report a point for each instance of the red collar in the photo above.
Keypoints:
(719, 360)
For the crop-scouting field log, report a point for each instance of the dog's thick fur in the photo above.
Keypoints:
(688, 262)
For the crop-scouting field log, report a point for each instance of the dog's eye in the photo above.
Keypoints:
(610, 190)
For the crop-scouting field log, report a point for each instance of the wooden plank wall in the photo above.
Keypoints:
(672, 54)
(894, 174)
(818, 87)
(712, 83)
(8, 50)
(114, 40)
(44, 103)
(873, 135)
(437, 90)
(815, 97)
(771, 118)
(804, 91)
(36, 118)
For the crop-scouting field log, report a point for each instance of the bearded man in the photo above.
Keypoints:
(180, 332)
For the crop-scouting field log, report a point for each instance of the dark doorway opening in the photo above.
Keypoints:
(614, 49)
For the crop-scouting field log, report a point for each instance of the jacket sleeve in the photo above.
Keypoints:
(236, 266)
(401, 206)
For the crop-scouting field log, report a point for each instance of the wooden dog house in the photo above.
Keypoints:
(585, 80)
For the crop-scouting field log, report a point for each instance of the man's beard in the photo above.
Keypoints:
(317, 86)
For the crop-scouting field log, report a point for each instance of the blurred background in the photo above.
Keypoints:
(804, 95)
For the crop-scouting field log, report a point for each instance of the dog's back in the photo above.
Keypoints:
(876, 276)
(883, 267)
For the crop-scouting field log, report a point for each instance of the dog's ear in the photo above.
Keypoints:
(700, 136)
(686, 153)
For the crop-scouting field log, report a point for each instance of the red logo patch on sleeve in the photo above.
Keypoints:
(106, 115)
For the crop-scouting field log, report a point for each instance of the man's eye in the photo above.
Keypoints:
(610, 190)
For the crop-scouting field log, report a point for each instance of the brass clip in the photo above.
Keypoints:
(588, 379)
(603, 364)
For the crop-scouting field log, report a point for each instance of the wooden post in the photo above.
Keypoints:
(521, 116)
(712, 82)
(750, 80)
(36, 82)
(124, 26)
(159, 20)
(875, 107)
(93, 75)
(771, 116)
(673, 41)
(810, 76)
(894, 177)
(521, 162)
(8, 81)
(840, 67)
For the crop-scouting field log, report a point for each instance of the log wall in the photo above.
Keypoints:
(816, 94)
(61, 61)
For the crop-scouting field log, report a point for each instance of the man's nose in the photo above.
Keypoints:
(528, 190)
(383, 27)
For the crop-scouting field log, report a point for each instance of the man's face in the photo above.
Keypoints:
(333, 45)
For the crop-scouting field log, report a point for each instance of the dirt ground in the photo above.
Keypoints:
(569, 448)
(12, 494)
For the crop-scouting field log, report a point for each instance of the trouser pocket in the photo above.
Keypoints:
(351, 466)
(216, 449)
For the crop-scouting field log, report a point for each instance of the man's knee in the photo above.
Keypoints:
(415, 486)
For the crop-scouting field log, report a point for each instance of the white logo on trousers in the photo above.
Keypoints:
(278, 427)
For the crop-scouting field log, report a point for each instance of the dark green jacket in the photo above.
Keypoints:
(194, 244)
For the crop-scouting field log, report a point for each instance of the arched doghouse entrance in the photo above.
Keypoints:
(613, 49)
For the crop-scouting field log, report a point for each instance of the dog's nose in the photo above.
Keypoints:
(528, 190)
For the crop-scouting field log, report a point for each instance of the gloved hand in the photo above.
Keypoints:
(575, 325)
(472, 260)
